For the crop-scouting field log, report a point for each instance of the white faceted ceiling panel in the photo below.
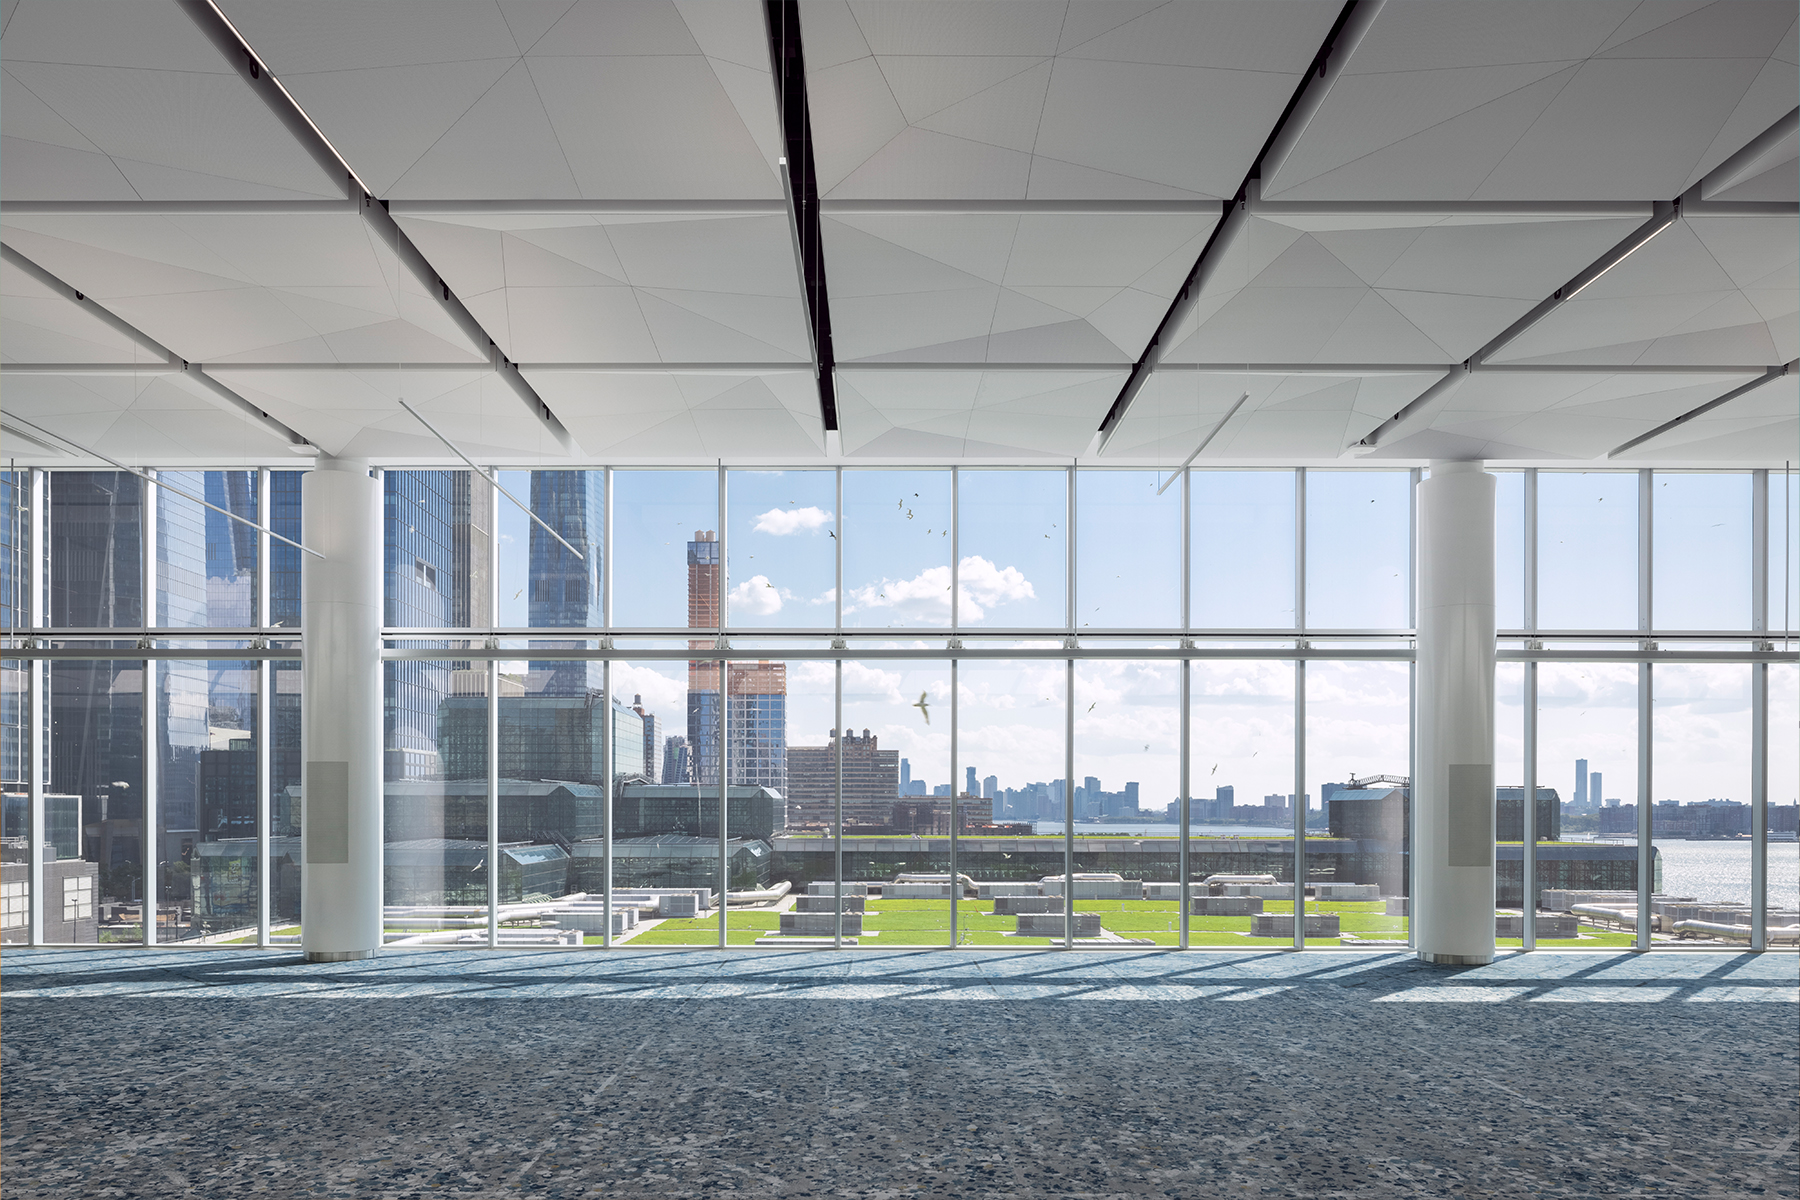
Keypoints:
(1601, 100)
(1762, 425)
(1282, 416)
(1510, 415)
(679, 416)
(975, 99)
(1706, 290)
(127, 100)
(1381, 289)
(471, 99)
(160, 419)
(258, 288)
(40, 325)
(634, 288)
(357, 413)
(972, 413)
(1005, 287)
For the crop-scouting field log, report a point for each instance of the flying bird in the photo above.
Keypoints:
(1215, 769)
(832, 534)
(1091, 706)
(924, 707)
(521, 591)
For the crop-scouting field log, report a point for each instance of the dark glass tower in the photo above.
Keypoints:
(435, 555)
(565, 590)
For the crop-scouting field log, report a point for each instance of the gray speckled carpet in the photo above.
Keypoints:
(897, 1073)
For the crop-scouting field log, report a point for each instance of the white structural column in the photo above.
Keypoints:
(340, 732)
(1453, 792)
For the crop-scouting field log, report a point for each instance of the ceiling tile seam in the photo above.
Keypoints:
(72, 126)
(549, 123)
(254, 72)
(1320, 75)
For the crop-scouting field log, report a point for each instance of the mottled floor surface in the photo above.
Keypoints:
(897, 1073)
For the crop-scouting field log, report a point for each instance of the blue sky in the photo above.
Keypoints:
(1012, 541)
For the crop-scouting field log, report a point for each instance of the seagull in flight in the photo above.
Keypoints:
(924, 707)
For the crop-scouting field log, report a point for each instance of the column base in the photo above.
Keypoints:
(322, 956)
(1455, 960)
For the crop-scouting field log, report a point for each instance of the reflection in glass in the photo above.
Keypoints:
(1783, 886)
(206, 801)
(658, 518)
(15, 807)
(897, 548)
(1587, 550)
(435, 811)
(1240, 778)
(1243, 550)
(782, 548)
(1509, 549)
(438, 525)
(1127, 551)
(1358, 770)
(96, 532)
(1587, 735)
(1700, 563)
(1358, 549)
(96, 763)
(541, 584)
(205, 561)
(1700, 821)
(1014, 540)
(1509, 805)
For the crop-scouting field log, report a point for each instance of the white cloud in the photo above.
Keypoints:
(925, 598)
(783, 521)
(757, 596)
(664, 694)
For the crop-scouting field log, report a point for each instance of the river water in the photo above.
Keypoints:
(1713, 871)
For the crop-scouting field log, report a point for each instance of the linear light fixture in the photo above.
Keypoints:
(457, 450)
(1204, 443)
(12, 418)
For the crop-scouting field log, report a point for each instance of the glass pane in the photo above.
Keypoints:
(1700, 565)
(1509, 811)
(1243, 556)
(1358, 763)
(96, 530)
(15, 550)
(1014, 544)
(15, 809)
(1358, 549)
(666, 835)
(97, 763)
(1784, 805)
(1127, 551)
(897, 552)
(1701, 820)
(1784, 551)
(1587, 550)
(436, 533)
(663, 522)
(205, 561)
(906, 706)
(1010, 732)
(206, 801)
(1587, 732)
(434, 807)
(1242, 720)
(1127, 799)
(285, 562)
(1509, 550)
(541, 584)
(285, 858)
(783, 548)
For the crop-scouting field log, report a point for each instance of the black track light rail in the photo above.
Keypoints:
(789, 61)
